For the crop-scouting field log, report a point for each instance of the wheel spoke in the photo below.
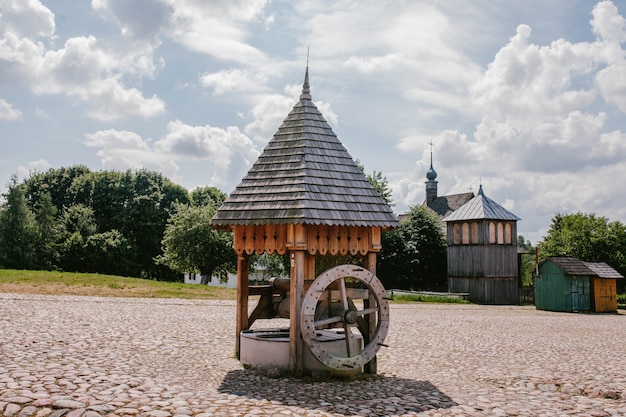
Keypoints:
(343, 294)
(368, 311)
(329, 320)
(346, 307)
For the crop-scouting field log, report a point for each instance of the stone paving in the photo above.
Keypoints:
(65, 356)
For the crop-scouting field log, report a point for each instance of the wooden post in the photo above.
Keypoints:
(372, 366)
(243, 270)
(296, 294)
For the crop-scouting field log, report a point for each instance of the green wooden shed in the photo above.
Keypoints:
(569, 284)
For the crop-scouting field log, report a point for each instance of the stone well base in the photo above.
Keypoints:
(269, 348)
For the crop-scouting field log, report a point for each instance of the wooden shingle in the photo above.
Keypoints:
(305, 176)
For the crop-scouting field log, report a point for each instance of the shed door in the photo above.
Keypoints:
(604, 295)
(580, 294)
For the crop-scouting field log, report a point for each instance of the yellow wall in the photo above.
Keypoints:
(604, 292)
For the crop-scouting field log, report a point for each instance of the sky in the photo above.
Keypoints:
(526, 98)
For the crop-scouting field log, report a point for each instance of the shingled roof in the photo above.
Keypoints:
(446, 204)
(305, 176)
(479, 208)
(576, 267)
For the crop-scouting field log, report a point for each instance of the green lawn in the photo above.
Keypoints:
(67, 283)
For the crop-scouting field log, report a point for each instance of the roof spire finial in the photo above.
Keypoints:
(306, 88)
(480, 187)
(431, 175)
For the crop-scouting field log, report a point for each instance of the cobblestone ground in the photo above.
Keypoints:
(89, 357)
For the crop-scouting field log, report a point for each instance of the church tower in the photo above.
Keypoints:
(431, 184)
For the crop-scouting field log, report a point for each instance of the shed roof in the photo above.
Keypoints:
(602, 270)
(305, 176)
(576, 267)
(479, 208)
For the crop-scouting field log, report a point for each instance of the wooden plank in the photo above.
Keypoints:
(259, 241)
(372, 366)
(312, 239)
(343, 240)
(322, 231)
(250, 245)
(363, 238)
(296, 294)
(375, 239)
(238, 239)
(243, 270)
(353, 240)
(300, 236)
(270, 238)
(333, 240)
(290, 240)
(281, 238)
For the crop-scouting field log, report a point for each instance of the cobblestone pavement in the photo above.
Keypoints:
(88, 357)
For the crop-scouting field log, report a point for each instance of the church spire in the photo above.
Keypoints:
(431, 184)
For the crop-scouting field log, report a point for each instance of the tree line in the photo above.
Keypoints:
(78, 220)
(140, 224)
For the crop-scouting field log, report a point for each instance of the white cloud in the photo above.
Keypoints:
(81, 69)
(8, 112)
(137, 19)
(233, 80)
(217, 28)
(39, 165)
(368, 64)
(268, 114)
(227, 151)
(26, 18)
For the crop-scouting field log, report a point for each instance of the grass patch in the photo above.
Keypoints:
(67, 283)
(421, 298)
(621, 301)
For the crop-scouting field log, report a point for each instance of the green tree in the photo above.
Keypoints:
(109, 253)
(56, 182)
(78, 224)
(48, 232)
(414, 257)
(203, 196)
(18, 229)
(190, 244)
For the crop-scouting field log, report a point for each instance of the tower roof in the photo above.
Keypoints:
(479, 208)
(305, 176)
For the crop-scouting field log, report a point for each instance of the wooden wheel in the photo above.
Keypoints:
(350, 298)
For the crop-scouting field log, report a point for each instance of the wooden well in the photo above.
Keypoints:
(304, 196)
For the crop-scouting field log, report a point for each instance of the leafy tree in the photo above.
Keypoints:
(78, 225)
(203, 196)
(18, 229)
(109, 253)
(588, 238)
(56, 182)
(414, 257)
(190, 244)
(48, 232)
